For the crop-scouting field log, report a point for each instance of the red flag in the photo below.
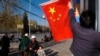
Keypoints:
(63, 1)
(58, 18)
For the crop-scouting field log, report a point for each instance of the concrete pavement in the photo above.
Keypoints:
(60, 49)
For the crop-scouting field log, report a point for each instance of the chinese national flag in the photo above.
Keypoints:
(58, 18)
(63, 1)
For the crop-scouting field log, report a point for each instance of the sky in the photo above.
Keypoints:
(36, 9)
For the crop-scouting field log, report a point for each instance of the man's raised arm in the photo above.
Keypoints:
(71, 14)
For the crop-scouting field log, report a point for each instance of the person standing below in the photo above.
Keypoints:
(33, 46)
(41, 51)
(45, 38)
(23, 44)
(5, 44)
(86, 41)
(12, 37)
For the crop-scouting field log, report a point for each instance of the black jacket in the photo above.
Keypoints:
(34, 46)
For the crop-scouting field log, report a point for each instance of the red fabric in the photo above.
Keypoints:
(58, 20)
(63, 1)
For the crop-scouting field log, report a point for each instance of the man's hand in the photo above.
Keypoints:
(70, 5)
(30, 49)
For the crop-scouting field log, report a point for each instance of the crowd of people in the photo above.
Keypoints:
(28, 45)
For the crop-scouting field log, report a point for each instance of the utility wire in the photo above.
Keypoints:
(25, 10)
(32, 4)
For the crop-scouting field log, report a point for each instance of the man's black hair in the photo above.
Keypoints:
(87, 19)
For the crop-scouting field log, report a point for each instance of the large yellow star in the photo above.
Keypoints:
(52, 10)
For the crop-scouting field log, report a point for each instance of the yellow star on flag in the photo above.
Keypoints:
(52, 10)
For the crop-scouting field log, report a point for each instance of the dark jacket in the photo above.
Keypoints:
(5, 44)
(86, 42)
(34, 46)
(24, 43)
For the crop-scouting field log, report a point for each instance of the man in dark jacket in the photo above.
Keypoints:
(5, 44)
(86, 41)
(33, 46)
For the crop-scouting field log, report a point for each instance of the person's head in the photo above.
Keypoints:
(33, 38)
(5, 35)
(40, 47)
(87, 19)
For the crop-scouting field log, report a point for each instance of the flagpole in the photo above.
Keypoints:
(29, 18)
